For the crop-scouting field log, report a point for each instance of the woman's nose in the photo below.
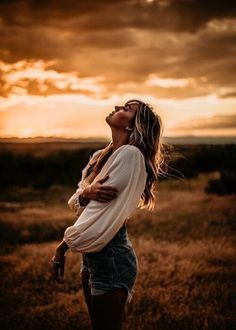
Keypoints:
(118, 107)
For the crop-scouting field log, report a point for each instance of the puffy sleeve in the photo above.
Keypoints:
(74, 202)
(99, 222)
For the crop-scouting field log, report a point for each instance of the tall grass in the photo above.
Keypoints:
(185, 248)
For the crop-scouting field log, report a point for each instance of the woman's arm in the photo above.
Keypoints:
(62, 248)
(79, 200)
(92, 191)
(99, 222)
(83, 201)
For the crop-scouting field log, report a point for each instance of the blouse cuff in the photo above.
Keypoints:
(71, 237)
(74, 202)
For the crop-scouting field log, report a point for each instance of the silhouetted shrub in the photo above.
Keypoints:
(226, 184)
(197, 159)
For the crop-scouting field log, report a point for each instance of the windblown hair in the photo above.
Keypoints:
(146, 135)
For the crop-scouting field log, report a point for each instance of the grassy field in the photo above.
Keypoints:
(185, 250)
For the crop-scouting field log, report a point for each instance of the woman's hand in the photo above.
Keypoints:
(58, 266)
(99, 192)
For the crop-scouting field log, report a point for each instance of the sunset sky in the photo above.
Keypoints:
(64, 65)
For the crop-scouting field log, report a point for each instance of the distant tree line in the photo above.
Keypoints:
(64, 167)
(208, 158)
(60, 168)
(205, 158)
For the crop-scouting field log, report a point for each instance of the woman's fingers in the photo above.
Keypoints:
(56, 274)
(58, 269)
(105, 194)
(61, 269)
(104, 200)
(106, 197)
(104, 191)
(109, 188)
(103, 179)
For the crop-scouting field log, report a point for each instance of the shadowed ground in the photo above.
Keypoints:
(186, 250)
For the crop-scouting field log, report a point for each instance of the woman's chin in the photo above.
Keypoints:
(107, 119)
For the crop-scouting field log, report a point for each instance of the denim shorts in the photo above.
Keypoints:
(114, 266)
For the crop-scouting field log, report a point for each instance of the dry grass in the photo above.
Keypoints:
(185, 248)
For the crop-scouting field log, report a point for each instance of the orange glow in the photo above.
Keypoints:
(64, 67)
(79, 114)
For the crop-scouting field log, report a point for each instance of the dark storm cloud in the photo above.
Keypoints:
(177, 15)
(125, 41)
(230, 94)
(215, 122)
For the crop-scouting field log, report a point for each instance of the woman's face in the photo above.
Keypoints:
(122, 116)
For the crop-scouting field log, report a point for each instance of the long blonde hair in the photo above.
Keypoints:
(146, 135)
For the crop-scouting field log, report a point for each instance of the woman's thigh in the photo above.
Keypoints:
(107, 310)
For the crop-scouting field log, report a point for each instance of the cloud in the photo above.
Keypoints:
(229, 95)
(183, 15)
(223, 122)
(125, 42)
(34, 78)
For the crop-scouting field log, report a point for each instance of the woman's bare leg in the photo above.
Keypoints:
(108, 309)
(86, 289)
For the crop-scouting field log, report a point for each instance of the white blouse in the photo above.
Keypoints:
(99, 222)
(73, 202)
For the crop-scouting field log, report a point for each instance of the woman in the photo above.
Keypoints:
(129, 167)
